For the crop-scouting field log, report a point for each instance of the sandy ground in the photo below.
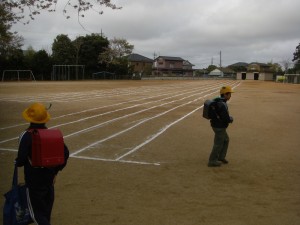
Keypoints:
(140, 150)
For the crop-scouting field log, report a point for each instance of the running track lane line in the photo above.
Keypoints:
(101, 107)
(139, 146)
(139, 123)
(162, 131)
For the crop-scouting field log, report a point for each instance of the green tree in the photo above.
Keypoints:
(211, 68)
(238, 67)
(28, 58)
(115, 54)
(201, 72)
(9, 42)
(88, 49)
(16, 60)
(296, 59)
(286, 65)
(63, 51)
(42, 65)
(275, 68)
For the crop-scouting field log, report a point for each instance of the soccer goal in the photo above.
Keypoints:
(13, 75)
(67, 72)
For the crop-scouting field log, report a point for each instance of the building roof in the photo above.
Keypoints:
(239, 64)
(226, 70)
(187, 63)
(260, 64)
(139, 58)
(170, 58)
(221, 71)
(216, 72)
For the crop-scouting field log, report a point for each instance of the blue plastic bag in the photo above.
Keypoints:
(15, 210)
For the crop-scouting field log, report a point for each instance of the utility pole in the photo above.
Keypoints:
(222, 74)
(220, 59)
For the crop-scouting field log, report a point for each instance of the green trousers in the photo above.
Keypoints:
(221, 142)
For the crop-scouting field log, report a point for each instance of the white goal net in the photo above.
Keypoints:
(67, 72)
(17, 75)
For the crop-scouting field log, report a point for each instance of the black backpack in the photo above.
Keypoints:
(210, 109)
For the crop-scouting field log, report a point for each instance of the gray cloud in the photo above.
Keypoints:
(197, 30)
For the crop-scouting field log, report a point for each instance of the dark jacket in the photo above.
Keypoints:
(36, 176)
(221, 118)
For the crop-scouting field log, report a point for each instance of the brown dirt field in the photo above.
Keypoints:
(165, 180)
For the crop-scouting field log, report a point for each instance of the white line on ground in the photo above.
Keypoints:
(128, 115)
(101, 107)
(137, 124)
(112, 160)
(8, 149)
(163, 130)
(119, 159)
(98, 159)
(102, 124)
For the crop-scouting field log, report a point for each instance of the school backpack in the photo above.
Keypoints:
(210, 109)
(47, 148)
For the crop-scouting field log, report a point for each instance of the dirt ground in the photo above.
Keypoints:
(139, 152)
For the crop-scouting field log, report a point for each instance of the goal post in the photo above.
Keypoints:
(18, 75)
(67, 72)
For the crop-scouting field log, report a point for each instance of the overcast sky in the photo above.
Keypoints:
(195, 30)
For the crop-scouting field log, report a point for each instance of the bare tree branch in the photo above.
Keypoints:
(35, 7)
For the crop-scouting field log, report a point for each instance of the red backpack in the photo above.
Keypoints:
(47, 148)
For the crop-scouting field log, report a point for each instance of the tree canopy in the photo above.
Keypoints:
(9, 41)
(296, 58)
(63, 51)
(211, 68)
(88, 49)
(117, 49)
(297, 53)
(114, 56)
(275, 68)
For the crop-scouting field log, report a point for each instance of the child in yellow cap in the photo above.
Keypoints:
(219, 124)
(39, 180)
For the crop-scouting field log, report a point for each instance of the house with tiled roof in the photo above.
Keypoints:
(140, 65)
(172, 66)
(188, 68)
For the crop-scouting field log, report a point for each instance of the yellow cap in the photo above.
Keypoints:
(226, 89)
(36, 113)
